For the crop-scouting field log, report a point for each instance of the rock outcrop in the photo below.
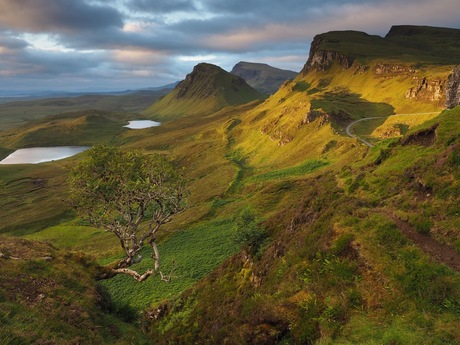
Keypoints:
(428, 90)
(322, 60)
(453, 88)
(390, 70)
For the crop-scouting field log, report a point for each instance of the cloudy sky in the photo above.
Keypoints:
(120, 44)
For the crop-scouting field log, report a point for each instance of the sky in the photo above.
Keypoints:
(102, 45)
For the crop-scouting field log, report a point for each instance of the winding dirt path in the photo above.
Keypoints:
(438, 251)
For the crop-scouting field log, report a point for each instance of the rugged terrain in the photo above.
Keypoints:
(296, 232)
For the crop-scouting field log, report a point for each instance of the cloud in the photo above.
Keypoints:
(10, 45)
(162, 6)
(158, 41)
(56, 16)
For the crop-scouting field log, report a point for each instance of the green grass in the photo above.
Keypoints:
(55, 301)
(188, 255)
(31, 197)
(73, 235)
(295, 171)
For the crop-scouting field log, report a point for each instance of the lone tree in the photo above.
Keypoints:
(131, 195)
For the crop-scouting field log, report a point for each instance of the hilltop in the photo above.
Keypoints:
(262, 77)
(208, 88)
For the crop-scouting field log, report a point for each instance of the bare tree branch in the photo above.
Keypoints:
(130, 195)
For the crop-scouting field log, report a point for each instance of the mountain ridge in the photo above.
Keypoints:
(261, 76)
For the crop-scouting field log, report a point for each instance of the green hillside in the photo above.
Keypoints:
(85, 127)
(13, 114)
(362, 253)
(296, 233)
(353, 250)
(207, 89)
(48, 296)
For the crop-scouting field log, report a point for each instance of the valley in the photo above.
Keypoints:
(325, 213)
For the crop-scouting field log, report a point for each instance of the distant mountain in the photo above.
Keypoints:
(207, 89)
(162, 87)
(262, 77)
(15, 95)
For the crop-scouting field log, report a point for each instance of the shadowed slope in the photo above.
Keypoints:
(262, 77)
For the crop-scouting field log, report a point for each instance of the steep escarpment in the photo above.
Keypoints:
(433, 90)
(410, 65)
(321, 59)
(453, 88)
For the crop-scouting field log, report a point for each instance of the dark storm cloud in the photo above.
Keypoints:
(282, 11)
(10, 43)
(56, 16)
(158, 6)
(19, 61)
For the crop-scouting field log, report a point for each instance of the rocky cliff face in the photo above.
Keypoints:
(321, 60)
(390, 70)
(428, 90)
(453, 89)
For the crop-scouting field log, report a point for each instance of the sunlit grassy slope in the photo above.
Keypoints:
(334, 266)
(338, 268)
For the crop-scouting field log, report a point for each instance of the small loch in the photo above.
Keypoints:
(140, 124)
(36, 155)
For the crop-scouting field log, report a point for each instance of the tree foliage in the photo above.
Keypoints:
(129, 194)
(249, 233)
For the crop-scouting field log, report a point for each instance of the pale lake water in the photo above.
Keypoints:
(36, 155)
(140, 124)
